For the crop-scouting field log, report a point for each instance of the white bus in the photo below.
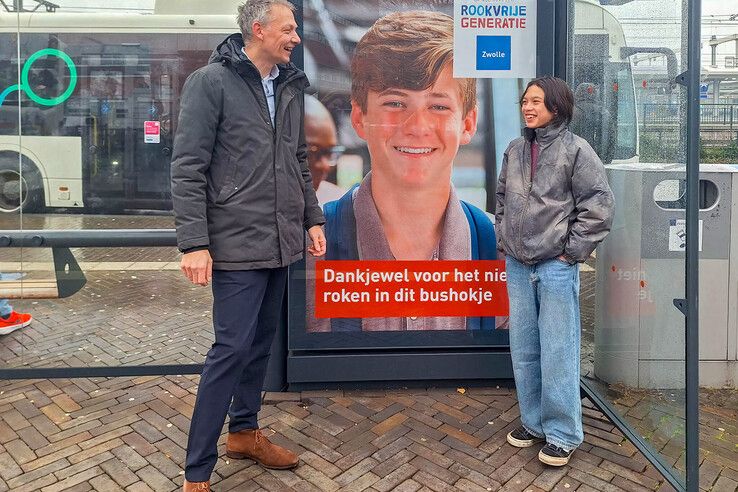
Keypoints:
(603, 73)
(90, 149)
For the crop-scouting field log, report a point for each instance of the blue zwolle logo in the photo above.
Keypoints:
(493, 52)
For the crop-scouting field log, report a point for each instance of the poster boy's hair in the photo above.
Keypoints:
(406, 50)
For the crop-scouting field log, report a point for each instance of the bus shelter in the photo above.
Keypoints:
(88, 110)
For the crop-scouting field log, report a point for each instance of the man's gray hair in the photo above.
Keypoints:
(257, 11)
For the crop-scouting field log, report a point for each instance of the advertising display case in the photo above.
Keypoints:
(404, 161)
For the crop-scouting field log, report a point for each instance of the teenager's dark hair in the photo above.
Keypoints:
(558, 98)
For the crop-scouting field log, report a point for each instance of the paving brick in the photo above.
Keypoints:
(389, 423)
(388, 466)
(318, 479)
(8, 467)
(431, 482)
(32, 438)
(155, 479)
(623, 472)
(474, 476)
(441, 473)
(724, 484)
(396, 478)
(19, 451)
(73, 480)
(119, 472)
(38, 473)
(519, 482)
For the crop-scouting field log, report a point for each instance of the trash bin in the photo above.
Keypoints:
(639, 334)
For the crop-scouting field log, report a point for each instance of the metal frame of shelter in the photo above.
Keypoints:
(553, 41)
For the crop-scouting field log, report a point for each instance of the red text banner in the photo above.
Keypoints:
(388, 289)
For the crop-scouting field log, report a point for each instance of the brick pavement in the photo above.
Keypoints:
(129, 434)
(148, 314)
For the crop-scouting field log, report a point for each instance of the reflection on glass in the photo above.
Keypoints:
(96, 105)
(99, 106)
(633, 339)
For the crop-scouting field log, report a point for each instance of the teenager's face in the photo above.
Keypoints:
(535, 113)
(413, 136)
(279, 35)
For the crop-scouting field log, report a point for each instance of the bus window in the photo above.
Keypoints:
(627, 128)
(8, 78)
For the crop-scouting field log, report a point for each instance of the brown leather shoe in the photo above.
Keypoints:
(196, 486)
(251, 444)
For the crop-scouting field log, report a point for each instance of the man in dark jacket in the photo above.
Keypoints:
(242, 195)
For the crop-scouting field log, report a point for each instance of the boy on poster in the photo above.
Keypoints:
(414, 115)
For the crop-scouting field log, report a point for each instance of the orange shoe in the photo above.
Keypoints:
(196, 486)
(13, 322)
(252, 444)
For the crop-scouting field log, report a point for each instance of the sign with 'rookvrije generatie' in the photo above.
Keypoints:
(495, 38)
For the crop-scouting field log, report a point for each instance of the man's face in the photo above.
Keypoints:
(320, 136)
(279, 35)
(413, 136)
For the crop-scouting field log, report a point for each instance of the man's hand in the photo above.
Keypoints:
(317, 237)
(197, 266)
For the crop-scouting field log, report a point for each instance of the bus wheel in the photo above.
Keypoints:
(19, 190)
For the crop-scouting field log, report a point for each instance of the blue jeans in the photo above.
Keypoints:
(545, 344)
(5, 307)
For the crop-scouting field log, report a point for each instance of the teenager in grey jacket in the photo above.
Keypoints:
(554, 206)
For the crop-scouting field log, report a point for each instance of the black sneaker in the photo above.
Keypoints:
(521, 438)
(554, 455)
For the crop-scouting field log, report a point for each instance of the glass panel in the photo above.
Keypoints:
(332, 30)
(14, 191)
(98, 116)
(623, 64)
(717, 293)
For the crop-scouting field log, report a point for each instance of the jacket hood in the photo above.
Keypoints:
(230, 52)
(544, 134)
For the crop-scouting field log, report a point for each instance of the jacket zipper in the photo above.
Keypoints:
(526, 176)
(277, 105)
(273, 125)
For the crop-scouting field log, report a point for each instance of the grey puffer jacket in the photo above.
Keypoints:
(240, 187)
(567, 208)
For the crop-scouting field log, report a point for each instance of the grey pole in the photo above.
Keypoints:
(692, 248)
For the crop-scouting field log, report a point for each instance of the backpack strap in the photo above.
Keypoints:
(340, 228)
(484, 247)
(340, 233)
(483, 239)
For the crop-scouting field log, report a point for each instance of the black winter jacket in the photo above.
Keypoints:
(241, 187)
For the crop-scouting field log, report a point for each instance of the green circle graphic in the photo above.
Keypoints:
(72, 77)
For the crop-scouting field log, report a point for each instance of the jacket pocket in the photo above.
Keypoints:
(229, 187)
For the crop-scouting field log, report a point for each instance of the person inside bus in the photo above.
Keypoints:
(554, 205)
(414, 115)
(593, 122)
(243, 198)
(323, 149)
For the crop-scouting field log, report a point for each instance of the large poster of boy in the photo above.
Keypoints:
(414, 118)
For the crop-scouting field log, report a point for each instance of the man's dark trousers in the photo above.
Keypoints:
(247, 305)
